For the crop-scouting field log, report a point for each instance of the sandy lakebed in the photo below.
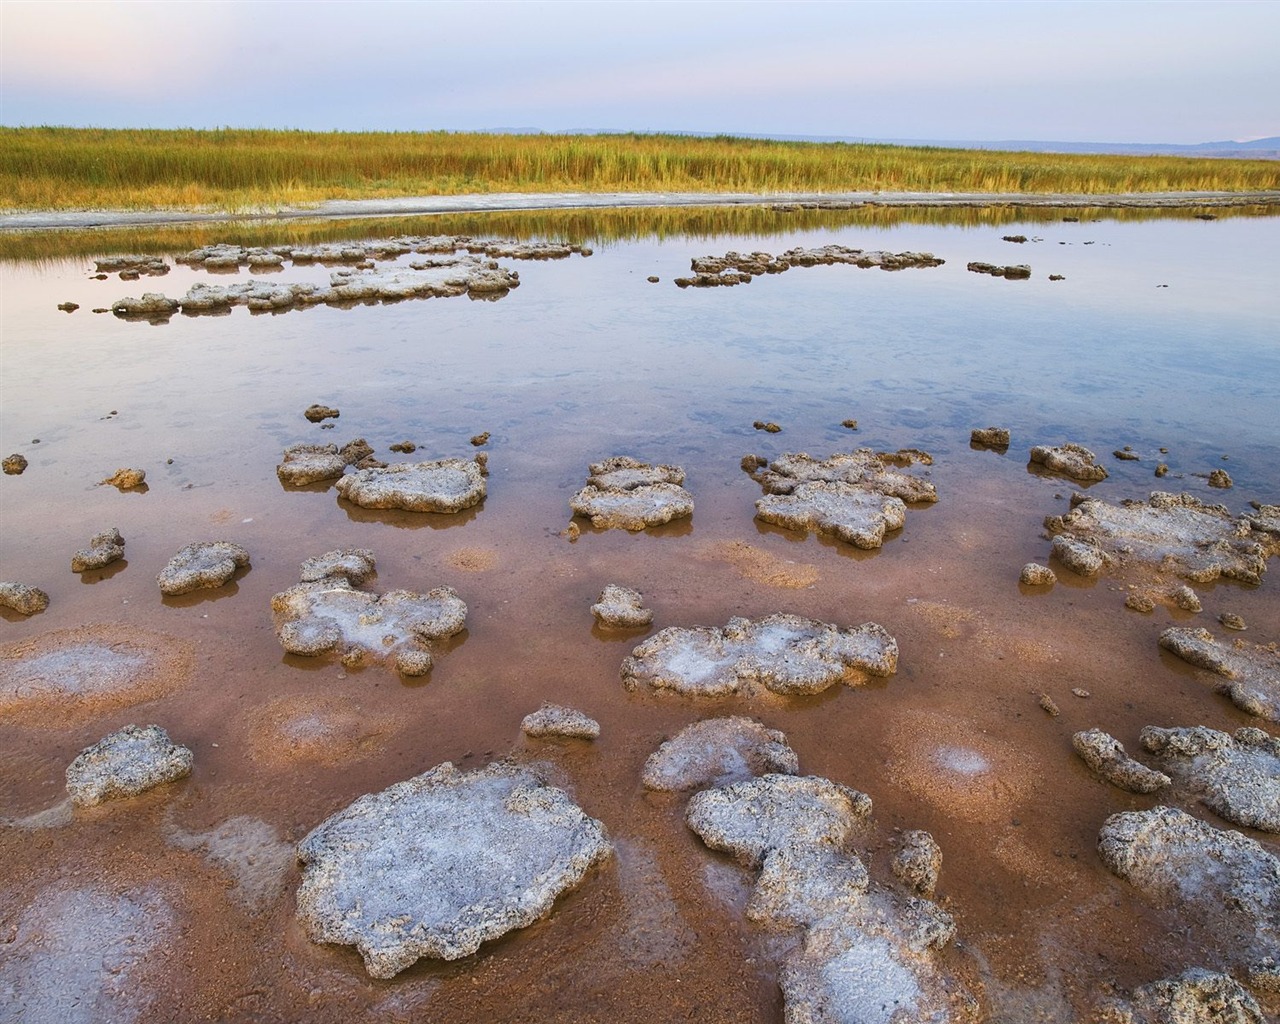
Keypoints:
(820, 755)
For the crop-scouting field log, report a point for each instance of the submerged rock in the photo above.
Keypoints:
(446, 485)
(624, 493)
(1070, 460)
(202, 565)
(555, 720)
(126, 763)
(1253, 670)
(438, 864)
(716, 752)
(1196, 996)
(622, 607)
(1105, 755)
(1175, 858)
(786, 654)
(104, 548)
(1238, 777)
(23, 598)
(329, 614)
(1175, 534)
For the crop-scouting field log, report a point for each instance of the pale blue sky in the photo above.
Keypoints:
(1064, 71)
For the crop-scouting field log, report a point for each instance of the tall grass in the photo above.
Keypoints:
(72, 168)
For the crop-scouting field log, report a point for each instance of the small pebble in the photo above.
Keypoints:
(1049, 705)
(1232, 621)
(851, 424)
(769, 427)
(1078, 692)
(480, 439)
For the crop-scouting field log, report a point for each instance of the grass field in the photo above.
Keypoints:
(232, 169)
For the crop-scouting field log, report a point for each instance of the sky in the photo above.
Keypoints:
(1136, 71)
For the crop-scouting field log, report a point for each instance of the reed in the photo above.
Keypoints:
(235, 169)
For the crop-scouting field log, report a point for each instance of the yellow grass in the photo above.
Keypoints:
(74, 168)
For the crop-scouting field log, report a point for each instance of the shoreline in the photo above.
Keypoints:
(343, 209)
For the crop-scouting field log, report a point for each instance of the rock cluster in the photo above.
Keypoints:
(438, 864)
(304, 464)
(204, 565)
(624, 493)
(132, 266)
(785, 654)
(222, 256)
(1016, 272)
(738, 268)
(445, 485)
(126, 763)
(326, 613)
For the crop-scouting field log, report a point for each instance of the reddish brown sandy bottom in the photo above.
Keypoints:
(180, 903)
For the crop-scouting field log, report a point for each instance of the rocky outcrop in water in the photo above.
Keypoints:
(1068, 460)
(126, 763)
(717, 752)
(1252, 670)
(304, 464)
(626, 494)
(200, 566)
(23, 598)
(622, 608)
(785, 654)
(131, 266)
(445, 486)
(441, 863)
(738, 268)
(1015, 272)
(556, 720)
(104, 548)
(1105, 755)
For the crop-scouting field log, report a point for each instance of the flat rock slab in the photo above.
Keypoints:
(330, 614)
(1252, 670)
(126, 763)
(438, 864)
(785, 654)
(303, 464)
(555, 720)
(716, 752)
(863, 468)
(1069, 460)
(845, 511)
(201, 566)
(1105, 755)
(446, 485)
(1175, 534)
(1175, 858)
(623, 473)
(104, 548)
(621, 607)
(1237, 776)
(626, 494)
(1196, 996)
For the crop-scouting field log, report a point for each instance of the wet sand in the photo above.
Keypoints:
(955, 742)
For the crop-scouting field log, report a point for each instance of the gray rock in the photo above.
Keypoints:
(623, 473)
(202, 565)
(446, 485)
(1175, 534)
(1238, 777)
(622, 607)
(1252, 670)
(554, 720)
(845, 511)
(918, 861)
(751, 819)
(786, 654)
(352, 564)
(718, 751)
(1233, 621)
(304, 464)
(329, 614)
(1070, 460)
(139, 265)
(23, 598)
(126, 763)
(1105, 755)
(152, 306)
(738, 268)
(438, 864)
(104, 548)
(1014, 272)
(1196, 996)
(624, 493)
(1035, 575)
(1186, 599)
(1175, 858)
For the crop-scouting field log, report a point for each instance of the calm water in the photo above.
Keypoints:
(1165, 333)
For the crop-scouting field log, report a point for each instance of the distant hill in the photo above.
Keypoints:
(1258, 149)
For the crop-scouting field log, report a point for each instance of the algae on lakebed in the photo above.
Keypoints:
(583, 360)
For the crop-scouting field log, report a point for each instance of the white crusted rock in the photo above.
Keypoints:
(126, 763)
(718, 751)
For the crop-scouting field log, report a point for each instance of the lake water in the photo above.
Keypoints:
(1163, 335)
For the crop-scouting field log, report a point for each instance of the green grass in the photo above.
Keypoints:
(232, 169)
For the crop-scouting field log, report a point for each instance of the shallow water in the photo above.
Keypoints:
(584, 360)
